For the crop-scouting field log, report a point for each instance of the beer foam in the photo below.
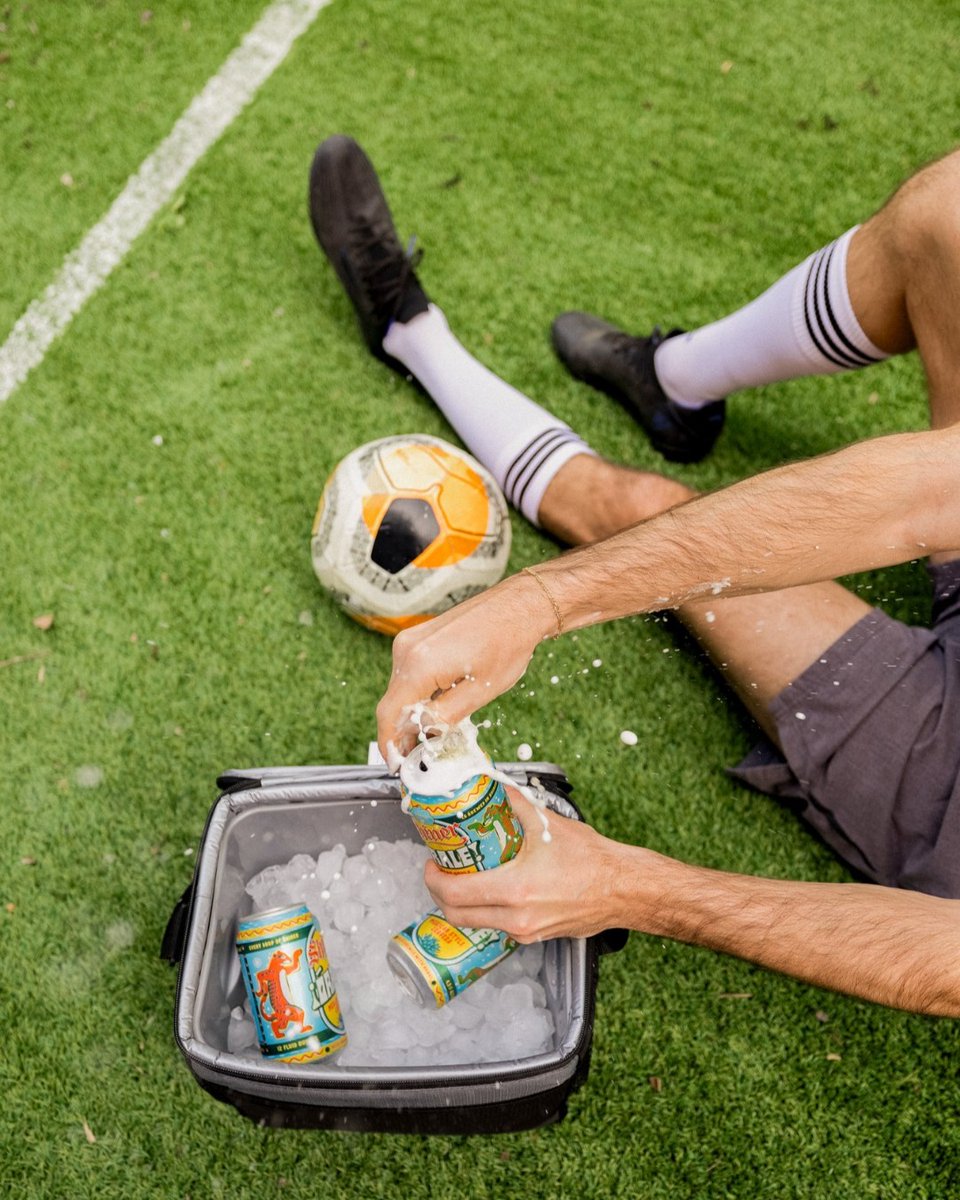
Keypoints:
(441, 763)
(446, 756)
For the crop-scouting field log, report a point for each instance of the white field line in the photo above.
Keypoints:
(86, 268)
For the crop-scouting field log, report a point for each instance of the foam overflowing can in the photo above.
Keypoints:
(461, 811)
(286, 971)
(435, 960)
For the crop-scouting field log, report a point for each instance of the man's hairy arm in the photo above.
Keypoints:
(888, 945)
(873, 504)
(869, 505)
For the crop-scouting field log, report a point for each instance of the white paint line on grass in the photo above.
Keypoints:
(87, 268)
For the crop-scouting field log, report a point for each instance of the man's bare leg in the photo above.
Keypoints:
(761, 643)
(903, 274)
(903, 278)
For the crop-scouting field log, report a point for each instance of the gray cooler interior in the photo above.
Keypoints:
(287, 815)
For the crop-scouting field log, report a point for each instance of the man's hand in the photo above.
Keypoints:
(884, 944)
(566, 887)
(464, 658)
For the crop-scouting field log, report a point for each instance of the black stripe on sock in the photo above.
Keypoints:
(519, 463)
(812, 310)
(564, 438)
(544, 448)
(855, 351)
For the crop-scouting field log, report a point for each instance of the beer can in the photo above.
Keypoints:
(435, 960)
(471, 828)
(285, 969)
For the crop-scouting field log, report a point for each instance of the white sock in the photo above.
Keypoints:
(521, 444)
(803, 325)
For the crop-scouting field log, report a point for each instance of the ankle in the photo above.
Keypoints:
(400, 333)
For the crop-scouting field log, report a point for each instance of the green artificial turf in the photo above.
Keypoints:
(649, 161)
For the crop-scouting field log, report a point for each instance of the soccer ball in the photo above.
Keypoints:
(406, 527)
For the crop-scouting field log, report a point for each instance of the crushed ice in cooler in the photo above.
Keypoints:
(360, 901)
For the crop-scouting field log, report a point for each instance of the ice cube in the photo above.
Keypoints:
(377, 889)
(532, 1033)
(384, 988)
(338, 888)
(329, 864)
(338, 946)
(427, 1030)
(532, 957)
(536, 990)
(465, 1016)
(263, 883)
(347, 915)
(480, 994)
(508, 971)
(315, 897)
(241, 1033)
(396, 1034)
(301, 866)
(355, 870)
(365, 1005)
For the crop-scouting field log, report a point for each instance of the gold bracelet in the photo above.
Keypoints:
(549, 595)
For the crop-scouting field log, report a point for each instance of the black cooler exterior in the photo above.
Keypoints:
(267, 815)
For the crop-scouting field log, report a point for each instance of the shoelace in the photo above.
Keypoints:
(625, 345)
(384, 273)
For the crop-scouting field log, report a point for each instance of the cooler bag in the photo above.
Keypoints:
(267, 815)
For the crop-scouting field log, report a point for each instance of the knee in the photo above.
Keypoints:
(924, 213)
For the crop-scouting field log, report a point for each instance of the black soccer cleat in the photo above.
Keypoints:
(622, 366)
(352, 221)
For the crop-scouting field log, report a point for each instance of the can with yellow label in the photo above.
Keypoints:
(471, 828)
(435, 960)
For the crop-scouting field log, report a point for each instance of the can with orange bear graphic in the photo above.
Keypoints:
(285, 967)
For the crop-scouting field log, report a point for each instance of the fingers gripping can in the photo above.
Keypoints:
(435, 960)
(284, 964)
(469, 826)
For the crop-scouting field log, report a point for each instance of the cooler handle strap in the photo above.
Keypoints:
(174, 936)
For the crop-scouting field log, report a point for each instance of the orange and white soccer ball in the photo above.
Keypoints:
(407, 527)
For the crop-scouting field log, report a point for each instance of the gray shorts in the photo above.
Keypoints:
(871, 746)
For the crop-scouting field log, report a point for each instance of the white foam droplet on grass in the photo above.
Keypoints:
(88, 776)
(524, 752)
(120, 935)
(628, 737)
